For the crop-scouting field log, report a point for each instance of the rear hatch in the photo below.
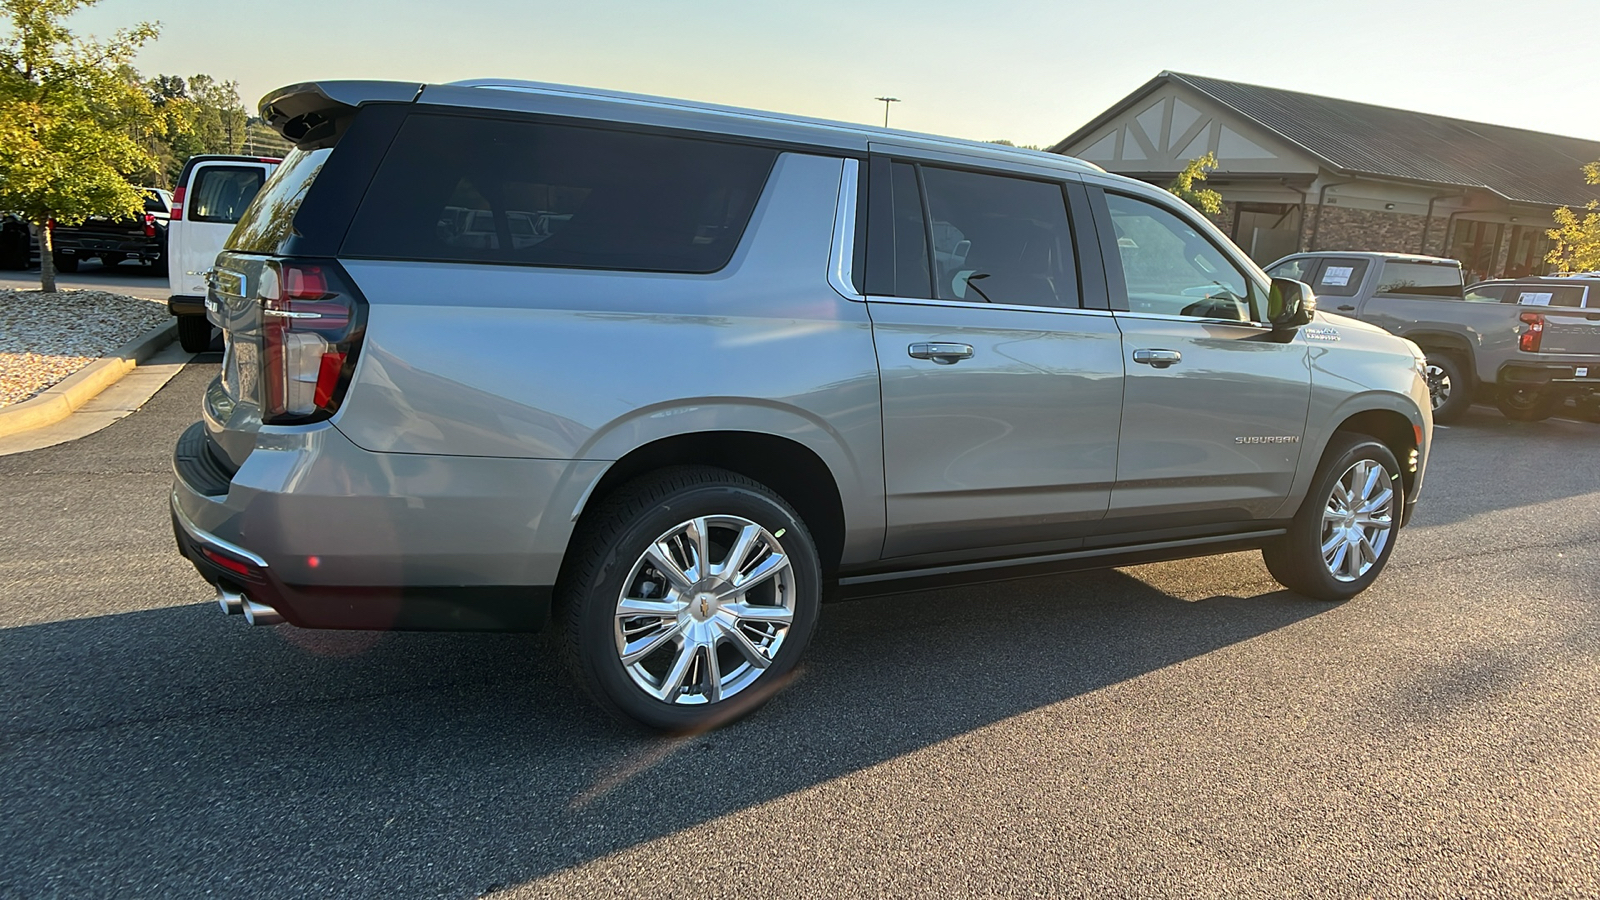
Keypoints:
(291, 319)
(1570, 325)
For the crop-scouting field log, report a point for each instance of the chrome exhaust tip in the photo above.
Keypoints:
(260, 613)
(231, 601)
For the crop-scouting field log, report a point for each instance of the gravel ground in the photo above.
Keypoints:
(46, 337)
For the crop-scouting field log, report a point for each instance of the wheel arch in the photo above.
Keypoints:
(793, 470)
(1448, 342)
(1392, 429)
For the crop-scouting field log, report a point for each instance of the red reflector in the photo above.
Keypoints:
(327, 378)
(313, 561)
(227, 562)
(177, 204)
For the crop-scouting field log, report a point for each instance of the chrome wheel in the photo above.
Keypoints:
(705, 610)
(1358, 520)
(1439, 386)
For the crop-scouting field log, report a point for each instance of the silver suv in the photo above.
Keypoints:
(668, 372)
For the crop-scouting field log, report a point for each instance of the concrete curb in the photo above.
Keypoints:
(62, 400)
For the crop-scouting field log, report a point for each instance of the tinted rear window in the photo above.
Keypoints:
(460, 189)
(1545, 295)
(269, 219)
(1420, 279)
(221, 193)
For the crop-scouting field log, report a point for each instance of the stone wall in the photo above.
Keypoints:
(1343, 228)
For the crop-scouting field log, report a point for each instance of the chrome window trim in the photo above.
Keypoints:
(1168, 317)
(973, 304)
(841, 256)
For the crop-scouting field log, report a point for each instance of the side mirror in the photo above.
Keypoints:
(1290, 304)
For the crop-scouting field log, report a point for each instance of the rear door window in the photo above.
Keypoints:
(222, 193)
(459, 189)
(1420, 280)
(1337, 277)
(1000, 240)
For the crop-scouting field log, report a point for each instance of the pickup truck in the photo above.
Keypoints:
(1527, 344)
(212, 193)
(142, 237)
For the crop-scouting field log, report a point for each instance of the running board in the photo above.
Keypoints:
(1098, 557)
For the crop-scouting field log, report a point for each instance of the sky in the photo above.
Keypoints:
(1028, 71)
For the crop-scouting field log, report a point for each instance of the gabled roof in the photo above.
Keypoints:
(1363, 139)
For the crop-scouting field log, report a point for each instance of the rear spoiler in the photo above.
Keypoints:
(313, 114)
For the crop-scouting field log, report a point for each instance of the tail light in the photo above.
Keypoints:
(149, 225)
(177, 203)
(50, 223)
(312, 321)
(1529, 340)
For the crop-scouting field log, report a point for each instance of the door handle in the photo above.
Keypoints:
(943, 354)
(1345, 307)
(1158, 358)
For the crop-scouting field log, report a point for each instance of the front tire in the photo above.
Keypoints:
(1527, 404)
(1448, 387)
(688, 599)
(194, 334)
(1342, 536)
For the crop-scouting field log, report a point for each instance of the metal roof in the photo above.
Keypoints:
(1364, 139)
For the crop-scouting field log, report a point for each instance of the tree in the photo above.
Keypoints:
(197, 115)
(1202, 198)
(1577, 240)
(68, 114)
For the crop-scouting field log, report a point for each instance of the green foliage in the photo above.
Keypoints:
(70, 110)
(1577, 239)
(191, 116)
(1202, 198)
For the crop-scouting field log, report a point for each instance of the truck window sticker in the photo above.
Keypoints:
(1535, 298)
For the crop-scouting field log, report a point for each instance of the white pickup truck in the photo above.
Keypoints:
(212, 194)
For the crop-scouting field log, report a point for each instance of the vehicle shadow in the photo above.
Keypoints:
(175, 752)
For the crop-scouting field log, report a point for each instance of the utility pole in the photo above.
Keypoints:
(886, 101)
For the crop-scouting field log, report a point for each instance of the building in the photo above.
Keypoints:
(1302, 172)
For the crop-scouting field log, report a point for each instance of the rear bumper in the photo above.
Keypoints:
(142, 248)
(185, 305)
(1567, 374)
(332, 536)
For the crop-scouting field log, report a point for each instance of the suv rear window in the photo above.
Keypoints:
(1420, 279)
(268, 220)
(221, 193)
(459, 189)
(1545, 295)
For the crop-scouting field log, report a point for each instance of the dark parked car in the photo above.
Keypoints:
(142, 237)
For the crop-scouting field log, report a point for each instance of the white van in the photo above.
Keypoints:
(212, 194)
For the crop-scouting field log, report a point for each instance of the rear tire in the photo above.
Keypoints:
(1345, 531)
(1527, 404)
(1588, 407)
(1448, 387)
(194, 334)
(712, 636)
(68, 264)
(112, 260)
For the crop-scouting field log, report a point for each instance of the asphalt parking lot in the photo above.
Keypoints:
(131, 278)
(1175, 730)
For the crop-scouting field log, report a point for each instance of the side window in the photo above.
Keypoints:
(221, 193)
(1545, 295)
(1171, 269)
(462, 189)
(1488, 293)
(1000, 239)
(1297, 269)
(1339, 277)
(1420, 280)
(910, 235)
